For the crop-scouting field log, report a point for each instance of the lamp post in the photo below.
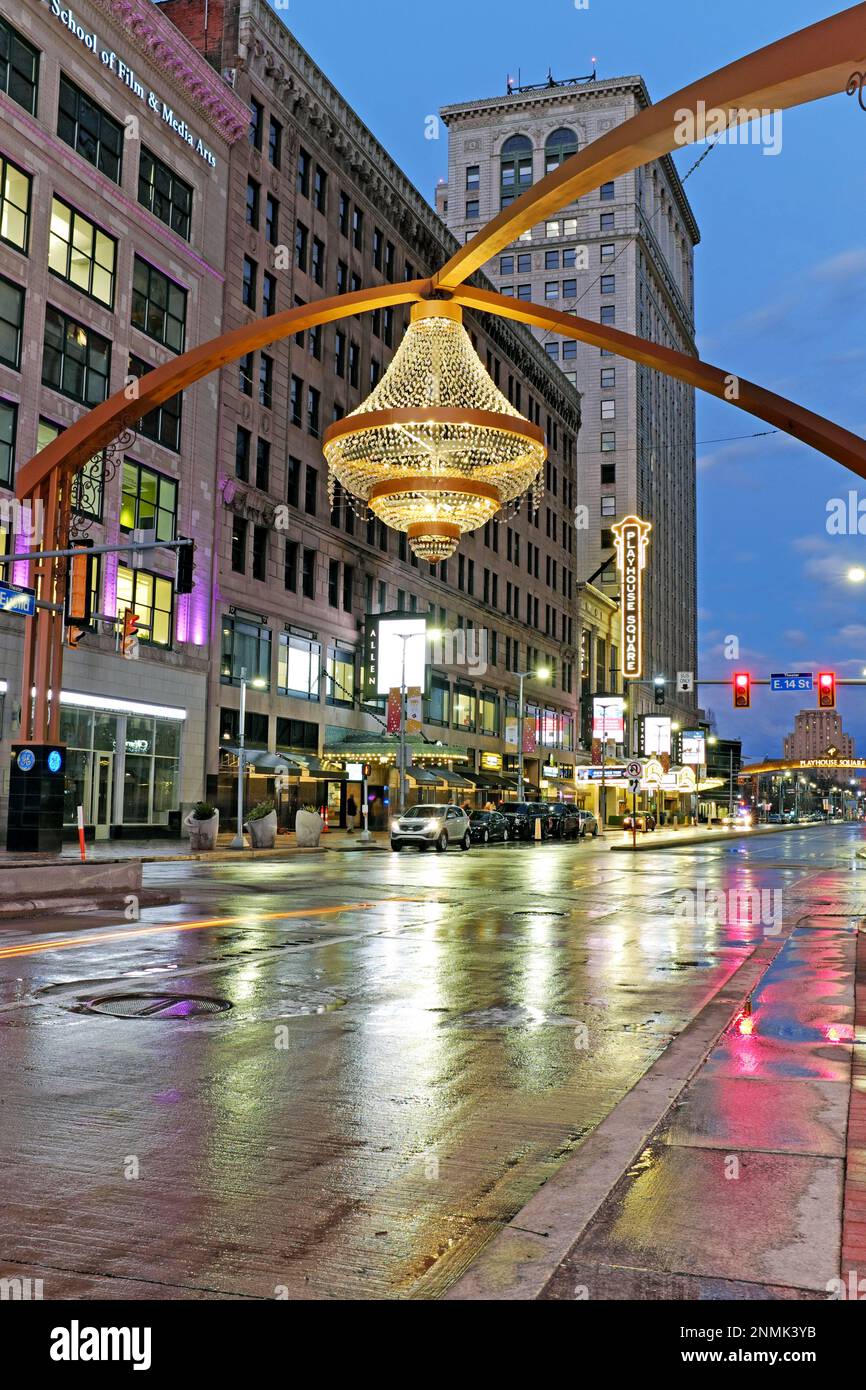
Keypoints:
(238, 842)
(428, 633)
(542, 674)
(604, 707)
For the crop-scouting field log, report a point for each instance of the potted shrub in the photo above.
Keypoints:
(262, 825)
(203, 823)
(308, 827)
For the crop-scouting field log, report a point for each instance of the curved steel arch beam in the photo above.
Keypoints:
(810, 64)
(821, 434)
(97, 427)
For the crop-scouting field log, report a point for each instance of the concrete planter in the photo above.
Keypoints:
(203, 833)
(263, 831)
(308, 828)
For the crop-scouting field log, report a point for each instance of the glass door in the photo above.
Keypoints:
(102, 794)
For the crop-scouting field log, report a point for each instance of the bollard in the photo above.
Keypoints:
(538, 827)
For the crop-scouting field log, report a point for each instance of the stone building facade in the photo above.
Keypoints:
(622, 255)
(114, 152)
(318, 207)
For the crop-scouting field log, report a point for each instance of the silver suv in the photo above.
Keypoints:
(431, 825)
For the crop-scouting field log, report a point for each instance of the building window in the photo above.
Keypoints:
(260, 552)
(551, 289)
(242, 454)
(19, 67)
(266, 381)
(348, 587)
(608, 284)
(473, 177)
(11, 322)
(606, 221)
(606, 192)
(158, 305)
(269, 294)
(313, 400)
(164, 194)
(14, 202)
(272, 220)
(257, 112)
(608, 313)
(311, 489)
(608, 474)
(151, 597)
(148, 501)
(472, 208)
(246, 646)
(89, 130)
(608, 250)
(608, 441)
(344, 215)
(340, 687)
(290, 566)
(308, 574)
(245, 373)
(275, 143)
(524, 291)
(608, 377)
(298, 666)
(339, 352)
(320, 189)
(569, 350)
(551, 260)
(552, 350)
(608, 410)
(439, 705)
(8, 427)
(81, 253)
(357, 229)
(239, 544)
(560, 145)
(296, 393)
(302, 181)
(608, 506)
(301, 240)
(488, 713)
(566, 226)
(317, 263)
(464, 708)
(251, 211)
(75, 360)
(334, 583)
(293, 489)
(354, 364)
(248, 288)
(263, 464)
(569, 289)
(515, 168)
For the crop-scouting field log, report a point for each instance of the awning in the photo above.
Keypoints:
(451, 779)
(311, 766)
(263, 760)
(423, 777)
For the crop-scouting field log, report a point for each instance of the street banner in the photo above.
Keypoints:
(394, 710)
(511, 729)
(414, 710)
(529, 740)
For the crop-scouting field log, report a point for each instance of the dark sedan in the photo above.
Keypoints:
(564, 820)
(487, 826)
(521, 819)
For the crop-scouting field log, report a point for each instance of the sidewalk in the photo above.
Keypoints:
(699, 834)
(732, 1169)
(159, 851)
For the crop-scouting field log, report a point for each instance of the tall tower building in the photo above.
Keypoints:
(622, 255)
(816, 731)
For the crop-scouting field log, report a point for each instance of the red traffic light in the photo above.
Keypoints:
(742, 690)
(129, 635)
(826, 690)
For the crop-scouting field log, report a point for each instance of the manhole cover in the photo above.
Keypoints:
(156, 1005)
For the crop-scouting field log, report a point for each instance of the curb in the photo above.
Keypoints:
(523, 1257)
(712, 837)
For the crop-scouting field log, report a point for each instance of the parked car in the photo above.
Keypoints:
(486, 826)
(565, 820)
(521, 818)
(588, 824)
(774, 818)
(643, 820)
(439, 825)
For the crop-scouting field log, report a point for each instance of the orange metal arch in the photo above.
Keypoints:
(830, 439)
(812, 63)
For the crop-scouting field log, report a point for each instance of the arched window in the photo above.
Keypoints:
(559, 145)
(515, 168)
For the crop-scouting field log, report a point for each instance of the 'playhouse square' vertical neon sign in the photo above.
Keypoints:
(631, 539)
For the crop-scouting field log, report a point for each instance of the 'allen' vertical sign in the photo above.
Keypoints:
(631, 539)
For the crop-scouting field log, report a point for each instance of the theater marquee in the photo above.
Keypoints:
(631, 540)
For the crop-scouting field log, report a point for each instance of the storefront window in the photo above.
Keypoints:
(464, 707)
(488, 713)
(152, 598)
(120, 768)
(341, 676)
(299, 667)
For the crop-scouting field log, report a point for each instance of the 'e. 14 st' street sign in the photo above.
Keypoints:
(797, 680)
(14, 600)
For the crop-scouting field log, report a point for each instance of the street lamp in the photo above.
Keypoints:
(541, 674)
(238, 842)
(432, 634)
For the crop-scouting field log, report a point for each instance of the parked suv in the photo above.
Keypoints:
(588, 824)
(437, 825)
(564, 820)
(521, 817)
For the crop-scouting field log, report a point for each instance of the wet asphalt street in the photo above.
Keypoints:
(415, 1043)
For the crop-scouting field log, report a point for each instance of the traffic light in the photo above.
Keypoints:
(129, 636)
(826, 689)
(742, 690)
(183, 575)
(79, 587)
(659, 685)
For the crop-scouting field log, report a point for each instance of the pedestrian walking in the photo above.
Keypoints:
(351, 812)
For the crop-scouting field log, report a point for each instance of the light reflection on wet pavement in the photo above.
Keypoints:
(392, 1081)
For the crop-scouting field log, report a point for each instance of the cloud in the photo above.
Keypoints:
(795, 636)
(854, 632)
(844, 267)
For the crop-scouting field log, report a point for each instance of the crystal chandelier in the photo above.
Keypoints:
(436, 449)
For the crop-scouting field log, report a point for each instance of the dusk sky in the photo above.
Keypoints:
(781, 289)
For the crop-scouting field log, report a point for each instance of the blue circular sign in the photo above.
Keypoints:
(55, 761)
(26, 759)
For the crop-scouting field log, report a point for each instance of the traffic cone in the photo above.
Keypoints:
(325, 826)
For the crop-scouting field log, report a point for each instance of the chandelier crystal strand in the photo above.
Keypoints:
(435, 450)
